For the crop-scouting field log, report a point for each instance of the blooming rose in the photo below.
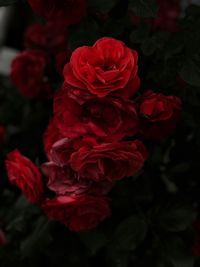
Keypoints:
(108, 161)
(65, 11)
(25, 175)
(106, 68)
(79, 213)
(62, 179)
(109, 118)
(159, 114)
(28, 73)
(48, 37)
(65, 181)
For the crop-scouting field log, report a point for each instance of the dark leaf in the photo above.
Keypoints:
(7, 2)
(176, 217)
(101, 5)
(93, 240)
(177, 253)
(143, 8)
(86, 33)
(129, 234)
(190, 72)
(38, 239)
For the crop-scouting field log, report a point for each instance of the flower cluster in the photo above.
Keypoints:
(46, 47)
(95, 111)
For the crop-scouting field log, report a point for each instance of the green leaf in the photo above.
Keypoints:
(140, 34)
(190, 72)
(149, 46)
(176, 218)
(93, 240)
(7, 2)
(38, 239)
(129, 234)
(103, 6)
(113, 27)
(85, 33)
(143, 8)
(177, 253)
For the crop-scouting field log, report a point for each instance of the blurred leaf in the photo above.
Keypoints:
(190, 72)
(177, 253)
(85, 33)
(140, 34)
(101, 5)
(176, 217)
(180, 168)
(113, 27)
(94, 240)
(38, 239)
(7, 2)
(149, 46)
(143, 8)
(129, 234)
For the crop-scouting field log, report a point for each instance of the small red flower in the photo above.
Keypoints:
(159, 114)
(25, 175)
(28, 74)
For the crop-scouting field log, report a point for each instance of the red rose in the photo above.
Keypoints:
(25, 175)
(28, 73)
(79, 213)
(61, 151)
(48, 37)
(110, 119)
(108, 161)
(65, 181)
(106, 68)
(65, 11)
(159, 114)
(51, 136)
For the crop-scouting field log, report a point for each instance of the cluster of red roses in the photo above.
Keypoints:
(94, 111)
